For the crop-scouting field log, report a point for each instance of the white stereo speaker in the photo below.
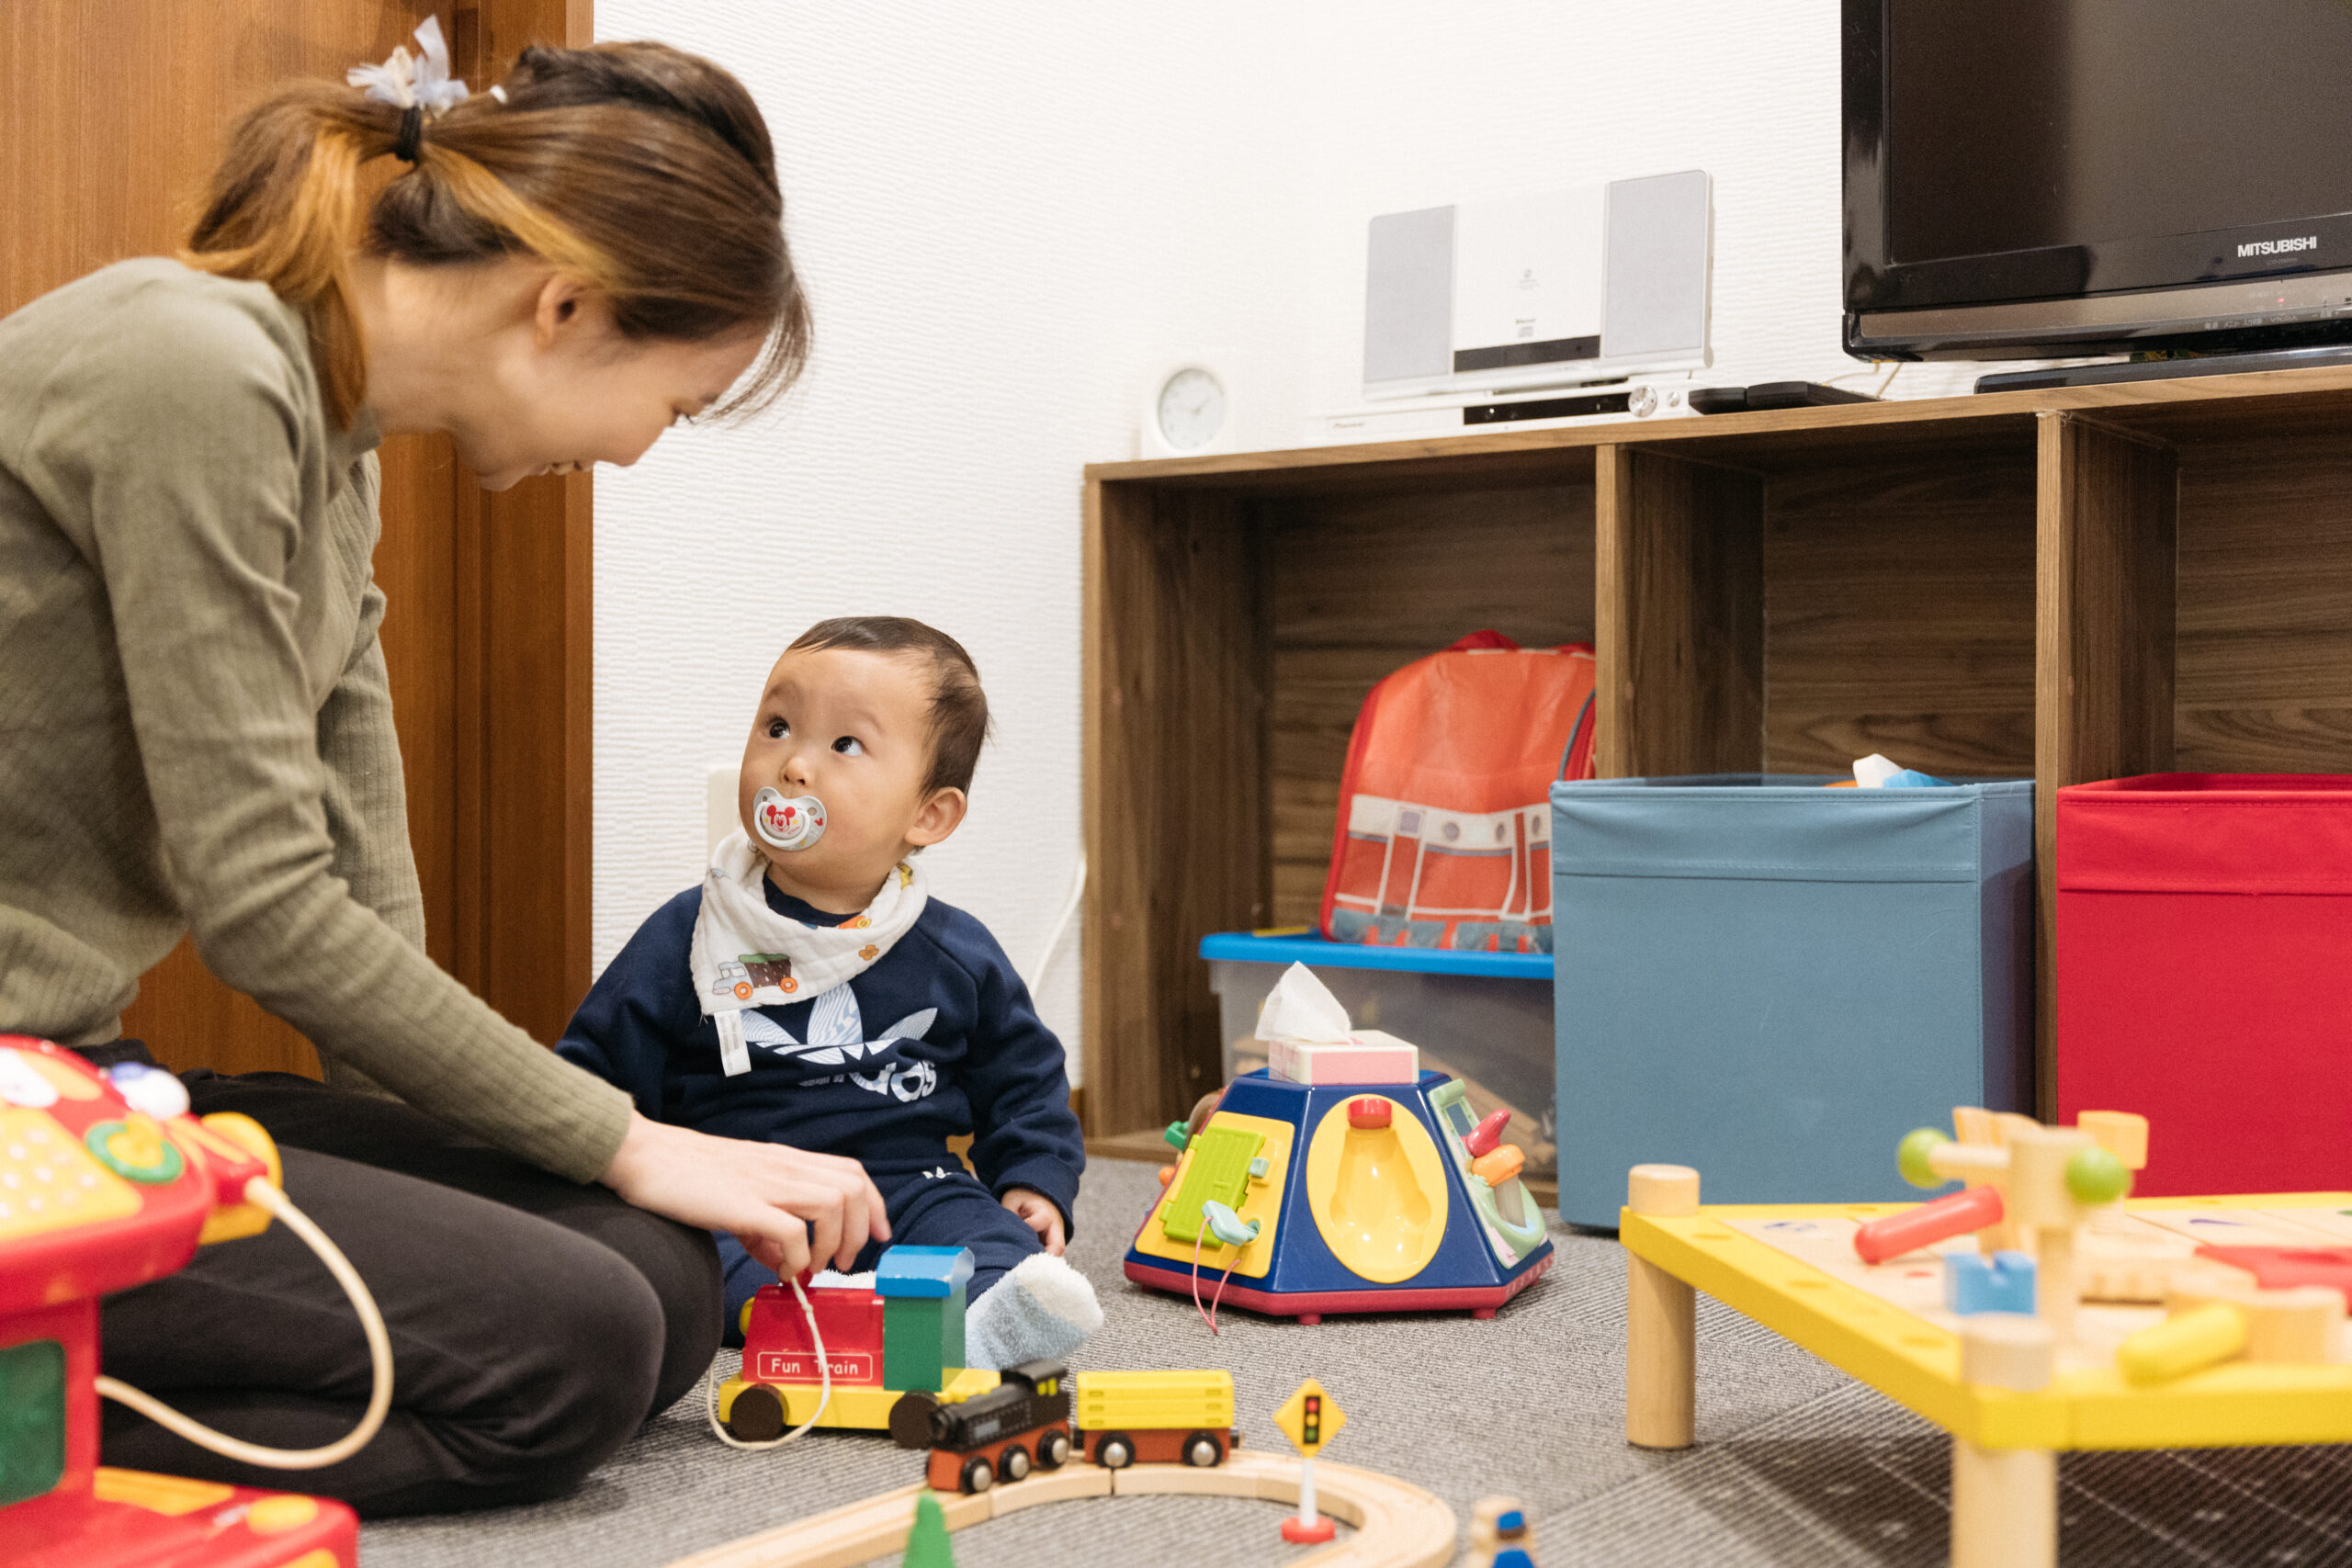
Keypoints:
(1585, 285)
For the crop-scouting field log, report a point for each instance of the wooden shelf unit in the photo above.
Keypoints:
(2072, 584)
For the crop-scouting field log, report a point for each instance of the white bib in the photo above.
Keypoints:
(745, 954)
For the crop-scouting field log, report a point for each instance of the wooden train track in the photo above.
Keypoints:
(1396, 1525)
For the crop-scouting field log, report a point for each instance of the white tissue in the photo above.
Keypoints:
(1301, 1009)
(1874, 771)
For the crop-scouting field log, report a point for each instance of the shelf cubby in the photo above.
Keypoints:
(2071, 585)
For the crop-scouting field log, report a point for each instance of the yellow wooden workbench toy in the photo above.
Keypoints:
(2159, 1323)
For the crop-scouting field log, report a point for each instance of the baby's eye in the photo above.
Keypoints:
(779, 729)
(848, 747)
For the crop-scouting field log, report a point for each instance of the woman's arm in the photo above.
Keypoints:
(366, 795)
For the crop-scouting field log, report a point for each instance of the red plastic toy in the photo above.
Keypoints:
(96, 1196)
(2284, 1268)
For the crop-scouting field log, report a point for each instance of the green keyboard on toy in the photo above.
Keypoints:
(1219, 1168)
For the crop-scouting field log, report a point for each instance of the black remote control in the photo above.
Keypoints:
(1772, 395)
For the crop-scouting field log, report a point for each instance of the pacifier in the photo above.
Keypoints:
(787, 824)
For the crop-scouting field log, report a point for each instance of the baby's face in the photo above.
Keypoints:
(853, 728)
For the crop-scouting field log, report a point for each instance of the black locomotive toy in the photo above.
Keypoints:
(1021, 1423)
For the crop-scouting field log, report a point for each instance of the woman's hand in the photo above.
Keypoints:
(787, 1207)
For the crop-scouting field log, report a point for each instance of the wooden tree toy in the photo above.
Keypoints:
(927, 1542)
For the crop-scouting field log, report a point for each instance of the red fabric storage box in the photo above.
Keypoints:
(2205, 974)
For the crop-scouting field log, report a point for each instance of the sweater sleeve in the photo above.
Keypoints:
(365, 795)
(184, 445)
(1025, 1133)
(366, 801)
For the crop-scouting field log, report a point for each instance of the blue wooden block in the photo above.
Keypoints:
(1974, 1283)
(1771, 981)
(937, 1273)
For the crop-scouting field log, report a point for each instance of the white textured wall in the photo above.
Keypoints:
(1009, 216)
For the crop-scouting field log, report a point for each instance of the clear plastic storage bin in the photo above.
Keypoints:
(1485, 1018)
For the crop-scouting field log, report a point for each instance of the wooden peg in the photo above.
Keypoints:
(1661, 1320)
(1662, 1191)
(2120, 1133)
(2295, 1325)
(2009, 1350)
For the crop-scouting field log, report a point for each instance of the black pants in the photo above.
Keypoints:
(535, 1321)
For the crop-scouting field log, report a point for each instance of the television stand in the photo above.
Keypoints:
(2163, 369)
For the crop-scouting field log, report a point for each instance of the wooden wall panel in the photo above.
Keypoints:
(1360, 584)
(2104, 668)
(1898, 613)
(2264, 662)
(1175, 690)
(1679, 615)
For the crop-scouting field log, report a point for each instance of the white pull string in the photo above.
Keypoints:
(824, 1397)
(260, 1193)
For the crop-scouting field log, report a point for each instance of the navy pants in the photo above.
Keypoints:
(939, 1204)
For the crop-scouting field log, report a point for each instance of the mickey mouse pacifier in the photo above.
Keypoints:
(794, 824)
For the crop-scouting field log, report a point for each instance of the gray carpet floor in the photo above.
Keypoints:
(1796, 1464)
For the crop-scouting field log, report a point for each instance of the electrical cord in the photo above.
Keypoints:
(1061, 925)
(824, 1378)
(261, 1194)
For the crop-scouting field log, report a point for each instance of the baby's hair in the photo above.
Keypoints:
(959, 709)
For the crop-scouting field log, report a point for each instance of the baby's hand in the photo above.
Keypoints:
(1037, 1212)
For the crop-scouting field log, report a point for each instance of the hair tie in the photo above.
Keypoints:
(419, 85)
(409, 145)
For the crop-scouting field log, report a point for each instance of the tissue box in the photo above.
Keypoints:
(1369, 1056)
(1485, 1018)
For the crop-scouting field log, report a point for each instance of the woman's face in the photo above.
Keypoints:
(562, 390)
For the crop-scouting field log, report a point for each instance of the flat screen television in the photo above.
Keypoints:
(2063, 178)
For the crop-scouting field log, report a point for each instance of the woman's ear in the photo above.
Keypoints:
(563, 305)
(941, 814)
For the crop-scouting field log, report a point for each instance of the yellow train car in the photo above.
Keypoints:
(1124, 1418)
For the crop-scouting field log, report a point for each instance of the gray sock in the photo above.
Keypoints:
(1044, 1309)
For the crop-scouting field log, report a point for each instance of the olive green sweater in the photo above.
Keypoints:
(196, 730)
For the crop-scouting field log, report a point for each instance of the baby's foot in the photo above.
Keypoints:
(1041, 1310)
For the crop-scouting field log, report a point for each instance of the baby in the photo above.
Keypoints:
(810, 992)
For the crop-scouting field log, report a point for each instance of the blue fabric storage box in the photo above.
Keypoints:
(1771, 981)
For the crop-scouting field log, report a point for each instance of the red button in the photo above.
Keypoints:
(1369, 1111)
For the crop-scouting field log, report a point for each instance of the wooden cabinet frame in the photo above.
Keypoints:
(2067, 585)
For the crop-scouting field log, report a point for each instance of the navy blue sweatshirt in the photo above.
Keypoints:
(937, 1038)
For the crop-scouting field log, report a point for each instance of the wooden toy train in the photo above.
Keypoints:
(894, 1351)
(1040, 1416)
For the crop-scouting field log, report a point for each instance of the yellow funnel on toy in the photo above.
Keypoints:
(1376, 1188)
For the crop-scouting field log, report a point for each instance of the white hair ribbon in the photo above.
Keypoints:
(422, 81)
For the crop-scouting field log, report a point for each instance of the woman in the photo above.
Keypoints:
(196, 734)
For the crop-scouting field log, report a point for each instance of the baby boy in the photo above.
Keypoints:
(811, 993)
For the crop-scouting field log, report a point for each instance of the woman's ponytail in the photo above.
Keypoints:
(639, 169)
(283, 209)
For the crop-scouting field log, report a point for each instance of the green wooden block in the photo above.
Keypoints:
(922, 1337)
(1219, 1169)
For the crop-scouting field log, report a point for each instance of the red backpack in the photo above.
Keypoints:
(1444, 831)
